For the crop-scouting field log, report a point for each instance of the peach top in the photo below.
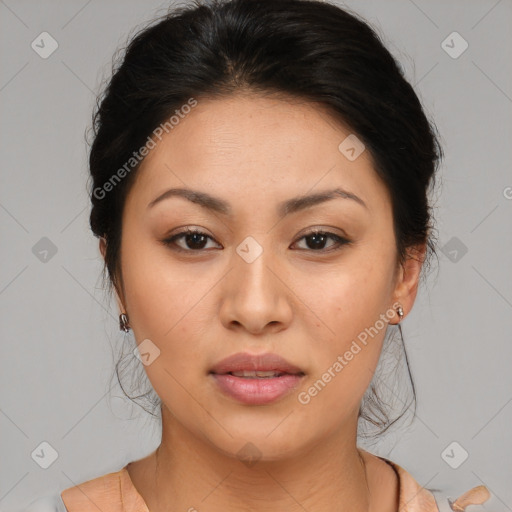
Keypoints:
(115, 492)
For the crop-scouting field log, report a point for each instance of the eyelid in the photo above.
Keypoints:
(329, 230)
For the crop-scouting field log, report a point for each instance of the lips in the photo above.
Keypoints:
(256, 379)
(245, 365)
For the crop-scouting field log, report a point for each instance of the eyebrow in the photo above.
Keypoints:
(287, 207)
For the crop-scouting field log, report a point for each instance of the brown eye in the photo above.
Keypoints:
(194, 240)
(316, 241)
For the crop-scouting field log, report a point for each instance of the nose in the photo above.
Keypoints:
(255, 295)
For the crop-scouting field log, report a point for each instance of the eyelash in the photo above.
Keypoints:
(340, 241)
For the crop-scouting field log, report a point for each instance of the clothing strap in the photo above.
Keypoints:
(474, 498)
(441, 501)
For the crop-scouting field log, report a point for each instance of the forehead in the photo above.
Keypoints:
(279, 146)
(268, 129)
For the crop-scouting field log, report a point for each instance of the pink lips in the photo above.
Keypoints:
(256, 390)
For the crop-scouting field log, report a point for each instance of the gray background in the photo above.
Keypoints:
(58, 328)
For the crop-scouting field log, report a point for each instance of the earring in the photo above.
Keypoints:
(400, 313)
(123, 322)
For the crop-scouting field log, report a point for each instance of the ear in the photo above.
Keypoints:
(119, 299)
(103, 246)
(407, 282)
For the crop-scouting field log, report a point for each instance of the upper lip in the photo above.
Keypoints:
(257, 362)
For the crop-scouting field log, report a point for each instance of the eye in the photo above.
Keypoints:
(319, 238)
(194, 240)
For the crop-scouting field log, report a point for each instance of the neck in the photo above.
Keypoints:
(188, 473)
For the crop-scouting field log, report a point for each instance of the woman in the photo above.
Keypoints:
(260, 180)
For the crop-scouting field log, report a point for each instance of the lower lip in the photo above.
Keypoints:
(257, 391)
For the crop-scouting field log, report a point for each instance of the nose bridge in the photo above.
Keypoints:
(255, 296)
(251, 261)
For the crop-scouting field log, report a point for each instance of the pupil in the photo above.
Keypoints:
(319, 238)
(195, 236)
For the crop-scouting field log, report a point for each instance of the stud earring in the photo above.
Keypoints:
(123, 322)
(400, 313)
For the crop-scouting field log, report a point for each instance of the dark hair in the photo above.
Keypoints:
(304, 49)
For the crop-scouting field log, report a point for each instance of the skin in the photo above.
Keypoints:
(305, 303)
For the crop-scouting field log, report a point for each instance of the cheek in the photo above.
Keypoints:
(175, 370)
(348, 331)
(157, 293)
(163, 305)
(348, 299)
(346, 364)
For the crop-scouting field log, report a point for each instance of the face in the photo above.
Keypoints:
(257, 278)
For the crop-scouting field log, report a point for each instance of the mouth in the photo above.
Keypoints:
(251, 366)
(249, 374)
(256, 379)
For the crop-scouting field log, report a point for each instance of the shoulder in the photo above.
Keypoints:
(112, 492)
(103, 492)
(415, 498)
